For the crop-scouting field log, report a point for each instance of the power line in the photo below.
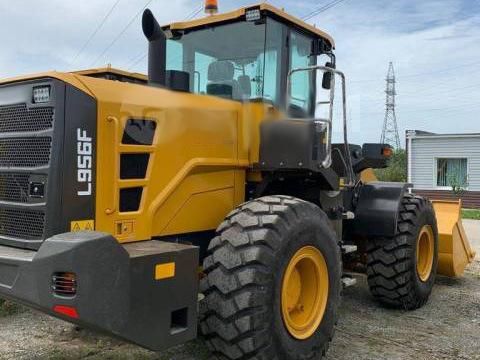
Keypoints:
(428, 93)
(322, 9)
(449, 91)
(95, 32)
(466, 106)
(113, 42)
(138, 59)
(194, 13)
(440, 71)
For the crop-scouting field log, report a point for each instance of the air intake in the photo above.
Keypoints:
(64, 284)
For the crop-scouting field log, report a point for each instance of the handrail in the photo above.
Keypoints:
(328, 159)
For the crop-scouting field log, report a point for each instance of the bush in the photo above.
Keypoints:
(396, 170)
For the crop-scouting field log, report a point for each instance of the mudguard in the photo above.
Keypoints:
(376, 213)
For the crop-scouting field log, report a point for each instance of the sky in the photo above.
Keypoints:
(433, 44)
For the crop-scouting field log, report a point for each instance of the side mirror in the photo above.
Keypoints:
(327, 77)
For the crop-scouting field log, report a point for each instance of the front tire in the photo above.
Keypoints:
(402, 269)
(258, 302)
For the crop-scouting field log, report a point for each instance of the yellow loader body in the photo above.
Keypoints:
(129, 186)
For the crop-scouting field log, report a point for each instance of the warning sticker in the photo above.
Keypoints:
(82, 225)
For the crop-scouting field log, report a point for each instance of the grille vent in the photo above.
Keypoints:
(17, 118)
(14, 187)
(22, 224)
(25, 152)
(64, 284)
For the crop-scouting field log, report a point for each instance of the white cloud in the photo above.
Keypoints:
(431, 38)
(435, 38)
(49, 34)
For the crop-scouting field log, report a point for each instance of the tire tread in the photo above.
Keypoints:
(237, 274)
(390, 260)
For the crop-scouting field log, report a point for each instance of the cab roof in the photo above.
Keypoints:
(240, 13)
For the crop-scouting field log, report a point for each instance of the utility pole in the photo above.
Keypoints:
(390, 128)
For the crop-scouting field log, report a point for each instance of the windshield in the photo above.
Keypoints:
(228, 61)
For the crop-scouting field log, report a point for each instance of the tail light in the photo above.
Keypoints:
(68, 311)
(64, 284)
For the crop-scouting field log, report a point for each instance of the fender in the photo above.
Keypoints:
(377, 209)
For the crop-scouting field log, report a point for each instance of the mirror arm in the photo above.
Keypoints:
(333, 59)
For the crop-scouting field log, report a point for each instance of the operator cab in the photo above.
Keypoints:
(246, 55)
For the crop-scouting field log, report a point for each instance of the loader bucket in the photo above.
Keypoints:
(455, 252)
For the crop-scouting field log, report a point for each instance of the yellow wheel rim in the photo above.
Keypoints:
(304, 292)
(425, 252)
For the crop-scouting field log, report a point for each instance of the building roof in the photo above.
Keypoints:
(234, 15)
(426, 134)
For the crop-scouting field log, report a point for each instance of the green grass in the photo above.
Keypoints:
(471, 214)
(9, 308)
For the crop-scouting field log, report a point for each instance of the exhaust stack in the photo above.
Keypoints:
(157, 49)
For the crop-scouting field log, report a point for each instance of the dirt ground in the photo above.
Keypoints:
(448, 327)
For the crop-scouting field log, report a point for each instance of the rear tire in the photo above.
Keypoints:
(402, 269)
(241, 313)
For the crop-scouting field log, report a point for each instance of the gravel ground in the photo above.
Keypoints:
(448, 327)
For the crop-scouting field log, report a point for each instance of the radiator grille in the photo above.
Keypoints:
(26, 147)
(14, 187)
(22, 224)
(25, 152)
(16, 118)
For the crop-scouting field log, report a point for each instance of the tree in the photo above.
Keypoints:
(396, 170)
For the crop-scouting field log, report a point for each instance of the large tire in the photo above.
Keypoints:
(393, 271)
(241, 313)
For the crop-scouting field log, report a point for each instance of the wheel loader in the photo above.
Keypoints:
(210, 196)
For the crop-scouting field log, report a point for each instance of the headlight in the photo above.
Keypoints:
(41, 94)
(253, 15)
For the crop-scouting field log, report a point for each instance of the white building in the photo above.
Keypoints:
(439, 162)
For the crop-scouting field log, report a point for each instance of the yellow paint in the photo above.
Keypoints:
(305, 289)
(188, 217)
(425, 253)
(237, 14)
(165, 271)
(368, 176)
(202, 154)
(82, 225)
(125, 230)
(199, 159)
(454, 250)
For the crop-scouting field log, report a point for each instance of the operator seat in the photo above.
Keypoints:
(245, 86)
(221, 80)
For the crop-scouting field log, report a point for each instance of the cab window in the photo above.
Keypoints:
(240, 69)
(302, 84)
